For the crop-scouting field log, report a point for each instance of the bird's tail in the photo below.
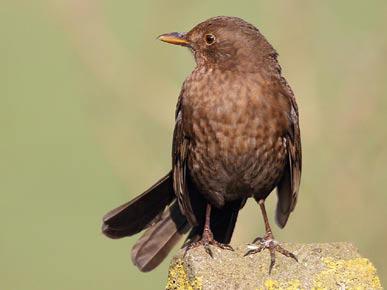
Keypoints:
(141, 212)
(158, 212)
(159, 239)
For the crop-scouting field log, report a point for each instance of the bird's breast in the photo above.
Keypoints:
(235, 133)
(232, 115)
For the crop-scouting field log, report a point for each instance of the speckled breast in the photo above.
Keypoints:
(236, 137)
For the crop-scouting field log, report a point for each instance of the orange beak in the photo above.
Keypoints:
(174, 38)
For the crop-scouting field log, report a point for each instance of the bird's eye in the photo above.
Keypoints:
(210, 39)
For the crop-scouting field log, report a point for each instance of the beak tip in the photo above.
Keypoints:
(174, 38)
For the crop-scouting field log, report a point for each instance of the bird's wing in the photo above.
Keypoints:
(289, 185)
(179, 167)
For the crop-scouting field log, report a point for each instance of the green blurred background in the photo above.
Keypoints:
(87, 98)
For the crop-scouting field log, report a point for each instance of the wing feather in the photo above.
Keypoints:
(288, 187)
(179, 167)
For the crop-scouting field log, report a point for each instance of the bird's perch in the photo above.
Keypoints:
(321, 266)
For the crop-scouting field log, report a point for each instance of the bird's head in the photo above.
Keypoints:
(227, 42)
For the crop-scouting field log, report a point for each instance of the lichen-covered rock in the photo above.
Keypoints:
(320, 266)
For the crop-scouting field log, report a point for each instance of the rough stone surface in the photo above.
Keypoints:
(320, 266)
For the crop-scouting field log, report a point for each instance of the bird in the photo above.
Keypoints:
(236, 135)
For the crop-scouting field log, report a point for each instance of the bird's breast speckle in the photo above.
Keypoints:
(235, 141)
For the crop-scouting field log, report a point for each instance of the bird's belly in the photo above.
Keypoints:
(237, 161)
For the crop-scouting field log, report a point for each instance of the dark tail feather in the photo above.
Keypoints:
(139, 213)
(224, 227)
(222, 223)
(285, 198)
(156, 243)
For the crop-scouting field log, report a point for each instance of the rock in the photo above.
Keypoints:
(320, 266)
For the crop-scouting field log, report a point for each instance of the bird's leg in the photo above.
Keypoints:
(268, 241)
(207, 237)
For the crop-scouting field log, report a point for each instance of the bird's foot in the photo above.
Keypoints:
(272, 245)
(207, 240)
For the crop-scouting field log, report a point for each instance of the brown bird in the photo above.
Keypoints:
(236, 136)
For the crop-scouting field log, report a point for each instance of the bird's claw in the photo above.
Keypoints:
(253, 249)
(272, 245)
(207, 241)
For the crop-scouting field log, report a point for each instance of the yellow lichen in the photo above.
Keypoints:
(179, 280)
(271, 284)
(294, 285)
(357, 273)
